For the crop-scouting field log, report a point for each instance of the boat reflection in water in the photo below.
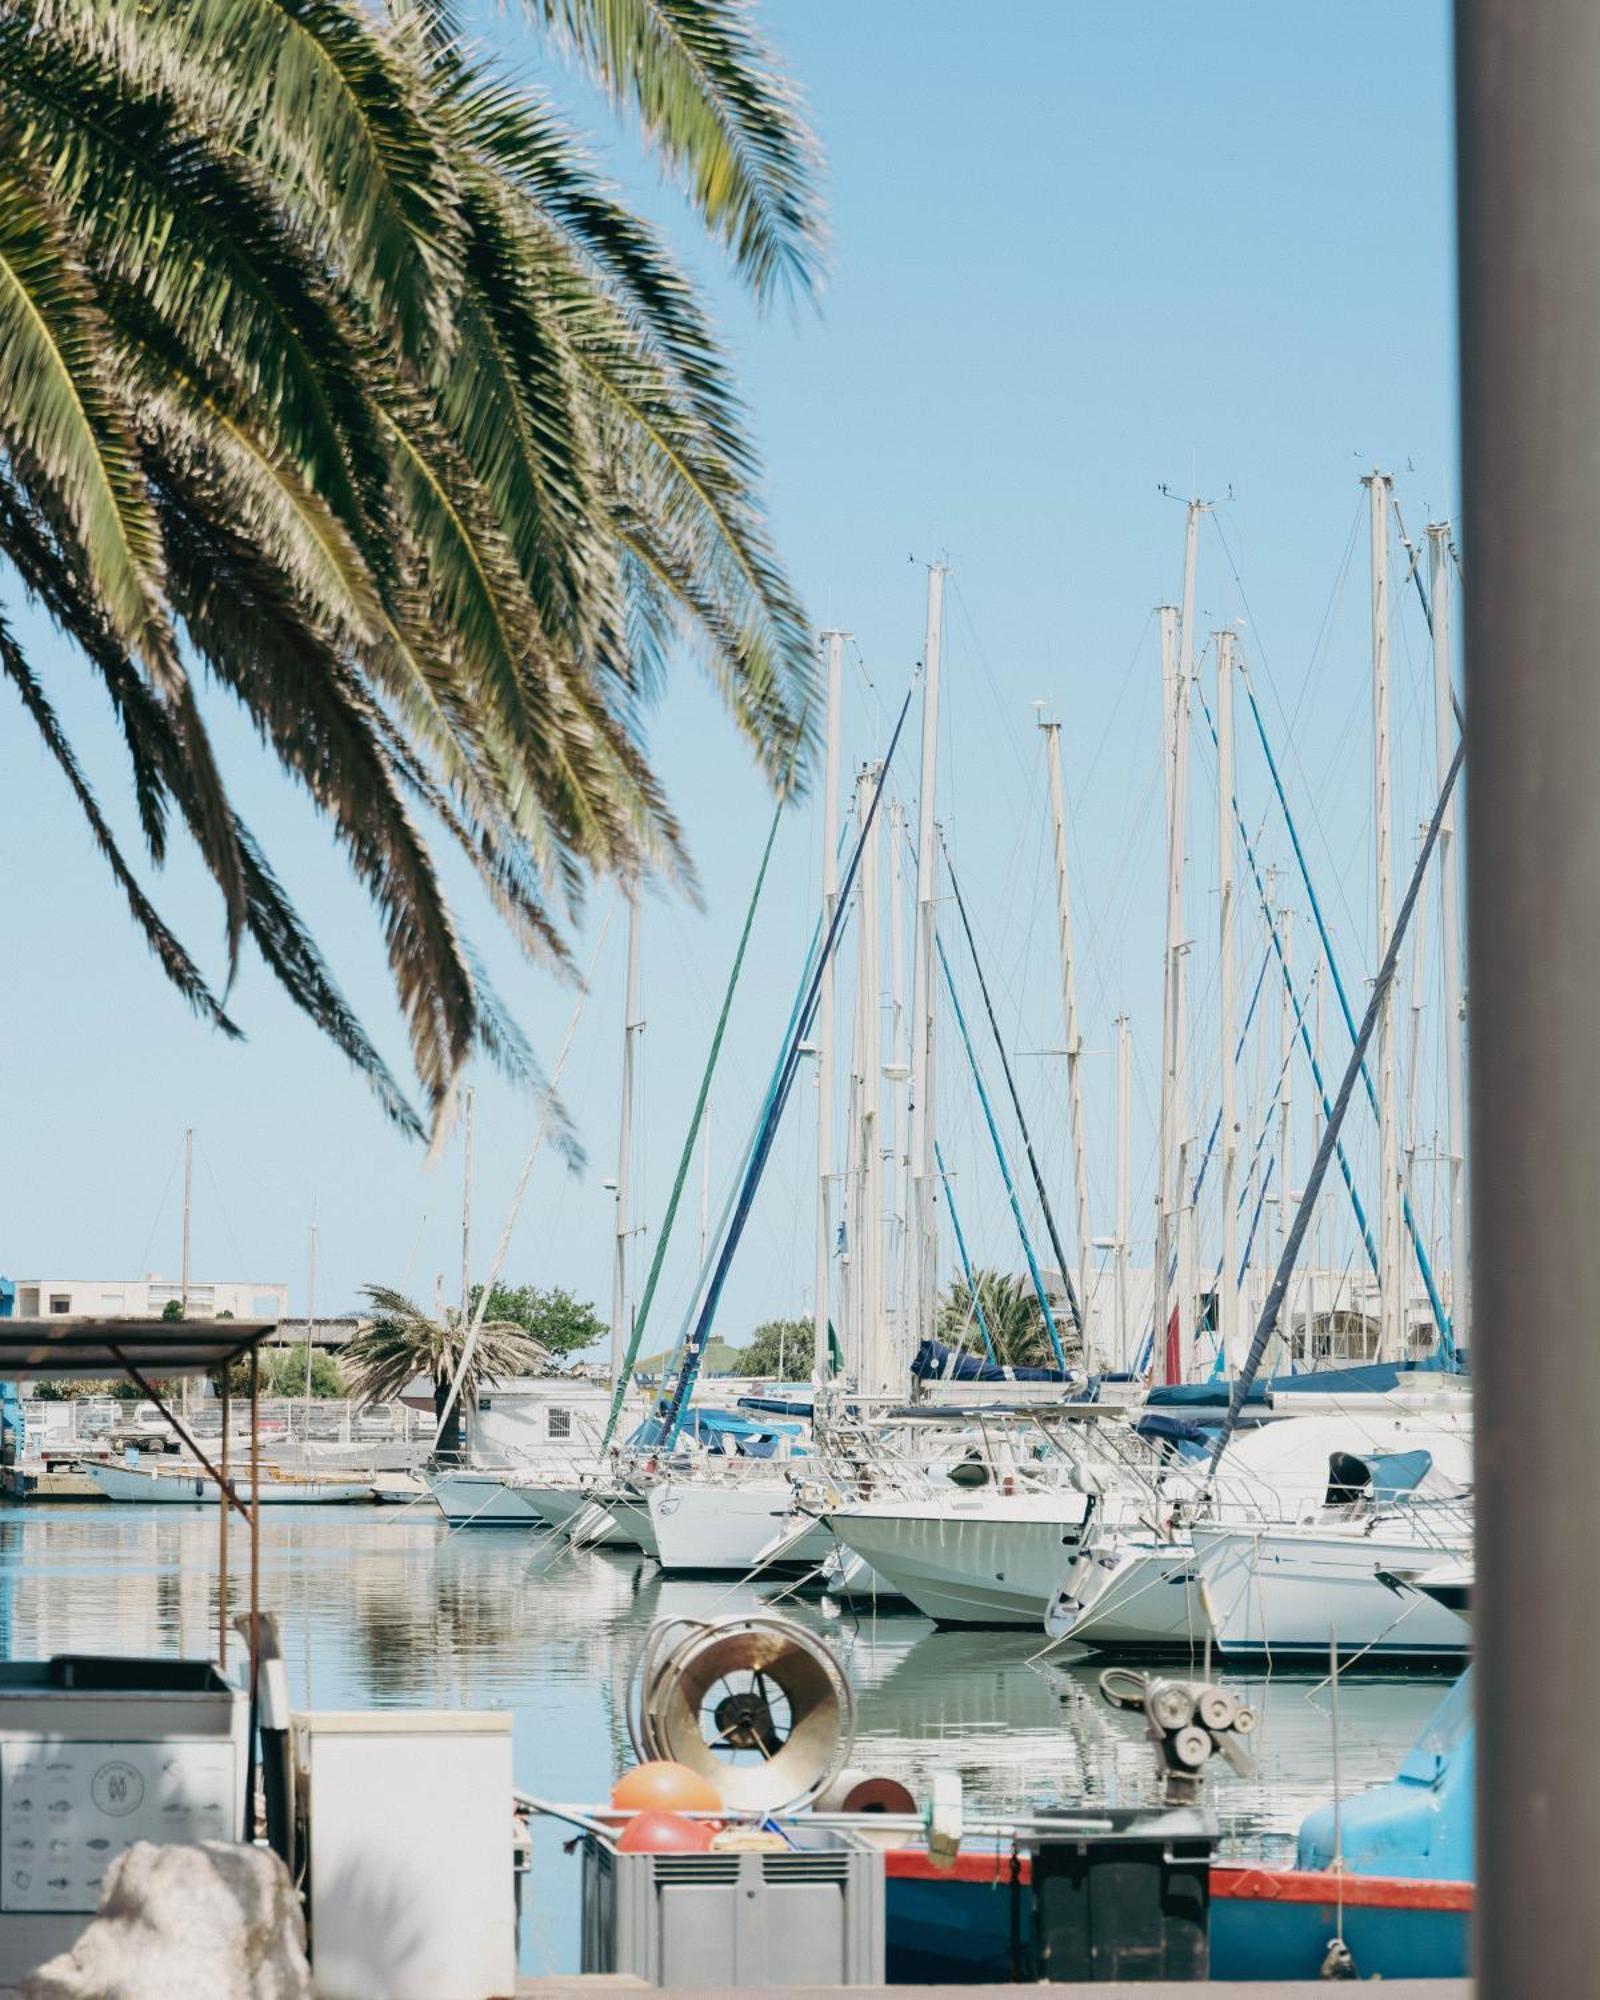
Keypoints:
(393, 1610)
(1027, 1733)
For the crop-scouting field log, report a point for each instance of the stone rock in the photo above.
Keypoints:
(208, 1922)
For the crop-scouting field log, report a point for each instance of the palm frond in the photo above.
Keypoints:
(712, 99)
(179, 967)
(328, 101)
(318, 721)
(401, 1341)
(60, 416)
(291, 954)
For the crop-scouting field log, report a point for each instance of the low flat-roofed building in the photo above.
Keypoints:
(148, 1298)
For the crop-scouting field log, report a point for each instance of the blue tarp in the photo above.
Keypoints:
(719, 1430)
(1397, 1472)
(1193, 1439)
(778, 1406)
(938, 1363)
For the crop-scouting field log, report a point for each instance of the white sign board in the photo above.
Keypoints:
(68, 1809)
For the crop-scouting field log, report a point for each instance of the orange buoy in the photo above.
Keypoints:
(663, 1786)
(665, 1833)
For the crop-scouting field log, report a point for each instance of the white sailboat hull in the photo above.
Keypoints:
(721, 1527)
(124, 1483)
(986, 1561)
(482, 1500)
(557, 1506)
(1132, 1596)
(595, 1518)
(1285, 1590)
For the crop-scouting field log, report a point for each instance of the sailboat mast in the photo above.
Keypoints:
(866, 1248)
(630, 1034)
(1069, 1008)
(924, 1185)
(1445, 731)
(1183, 1161)
(188, 1196)
(1160, 1289)
(466, 1206)
(1228, 1283)
(1285, 1202)
(1124, 1179)
(183, 1260)
(1391, 1304)
(311, 1310)
(894, 1288)
(705, 1182)
(825, 1025)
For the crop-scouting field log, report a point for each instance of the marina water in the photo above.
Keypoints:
(387, 1608)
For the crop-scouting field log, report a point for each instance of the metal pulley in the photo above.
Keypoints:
(759, 1706)
(1187, 1724)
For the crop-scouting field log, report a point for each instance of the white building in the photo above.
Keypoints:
(148, 1297)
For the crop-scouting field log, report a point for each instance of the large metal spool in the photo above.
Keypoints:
(758, 1706)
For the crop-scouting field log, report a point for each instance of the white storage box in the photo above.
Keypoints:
(408, 1830)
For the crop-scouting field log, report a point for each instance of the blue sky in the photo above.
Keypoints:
(1079, 254)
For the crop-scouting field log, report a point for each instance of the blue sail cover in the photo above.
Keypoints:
(723, 1431)
(1397, 1472)
(937, 1363)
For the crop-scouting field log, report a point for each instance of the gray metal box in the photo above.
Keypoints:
(809, 1917)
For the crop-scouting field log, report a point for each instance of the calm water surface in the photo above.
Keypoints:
(388, 1608)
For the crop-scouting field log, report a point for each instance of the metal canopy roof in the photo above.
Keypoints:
(34, 1349)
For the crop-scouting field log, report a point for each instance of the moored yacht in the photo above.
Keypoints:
(1303, 1587)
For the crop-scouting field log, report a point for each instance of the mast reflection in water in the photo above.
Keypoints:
(386, 1608)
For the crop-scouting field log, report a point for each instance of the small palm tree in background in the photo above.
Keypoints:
(1012, 1313)
(327, 365)
(402, 1342)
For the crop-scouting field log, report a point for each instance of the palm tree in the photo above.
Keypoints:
(328, 366)
(401, 1342)
(1012, 1313)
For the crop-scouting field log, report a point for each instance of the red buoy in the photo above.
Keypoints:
(665, 1833)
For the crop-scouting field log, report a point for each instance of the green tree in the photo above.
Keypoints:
(557, 1319)
(327, 365)
(401, 1341)
(780, 1347)
(1012, 1312)
(173, 1309)
(283, 1372)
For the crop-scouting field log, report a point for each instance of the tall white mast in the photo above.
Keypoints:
(1069, 1008)
(466, 1205)
(183, 1264)
(1183, 1160)
(898, 1072)
(924, 1182)
(825, 1027)
(311, 1311)
(705, 1182)
(1166, 1141)
(1416, 1010)
(866, 1243)
(632, 1027)
(1124, 1209)
(1446, 731)
(1285, 1205)
(1228, 1285)
(188, 1195)
(1392, 1307)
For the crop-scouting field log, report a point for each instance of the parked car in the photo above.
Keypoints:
(375, 1421)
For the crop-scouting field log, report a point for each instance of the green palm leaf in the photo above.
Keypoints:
(711, 97)
(60, 416)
